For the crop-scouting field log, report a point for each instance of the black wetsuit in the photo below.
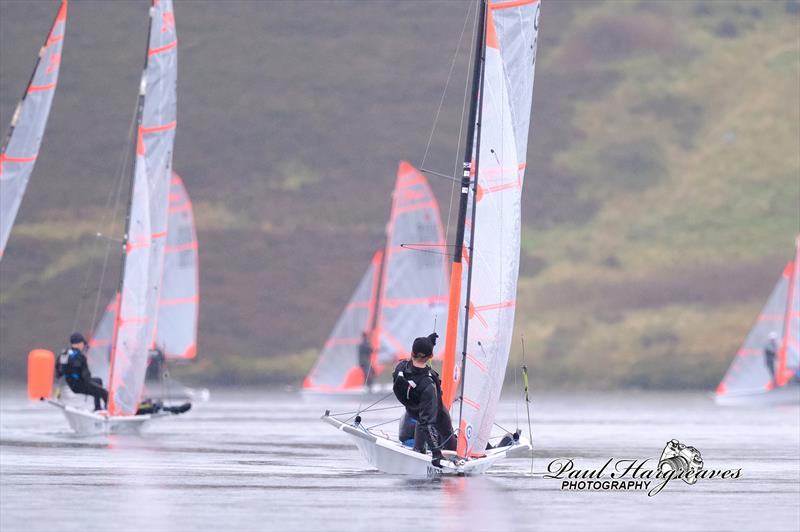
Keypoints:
(426, 418)
(770, 351)
(72, 364)
(365, 361)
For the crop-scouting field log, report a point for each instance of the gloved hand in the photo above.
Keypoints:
(432, 337)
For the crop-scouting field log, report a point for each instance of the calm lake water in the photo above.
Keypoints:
(249, 460)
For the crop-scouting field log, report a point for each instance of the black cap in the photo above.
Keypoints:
(422, 347)
(76, 338)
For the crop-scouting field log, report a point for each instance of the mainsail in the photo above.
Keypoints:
(414, 284)
(21, 146)
(337, 367)
(400, 297)
(137, 305)
(157, 136)
(491, 238)
(176, 333)
(749, 374)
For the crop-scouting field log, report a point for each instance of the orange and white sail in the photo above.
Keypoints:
(414, 284)
(493, 229)
(779, 321)
(24, 138)
(138, 302)
(401, 296)
(179, 298)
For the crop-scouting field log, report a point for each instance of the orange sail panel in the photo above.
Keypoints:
(21, 146)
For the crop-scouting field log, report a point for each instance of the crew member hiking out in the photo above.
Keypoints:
(365, 359)
(73, 366)
(419, 388)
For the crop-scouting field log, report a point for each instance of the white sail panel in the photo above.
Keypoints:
(156, 138)
(131, 340)
(176, 332)
(511, 37)
(337, 368)
(99, 353)
(21, 147)
(414, 287)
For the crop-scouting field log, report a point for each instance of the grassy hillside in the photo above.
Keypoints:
(661, 199)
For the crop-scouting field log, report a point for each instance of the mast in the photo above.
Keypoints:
(473, 124)
(374, 335)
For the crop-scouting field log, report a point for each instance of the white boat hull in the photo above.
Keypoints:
(393, 457)
(86, 423)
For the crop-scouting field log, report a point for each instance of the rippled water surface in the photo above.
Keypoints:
(249, 460)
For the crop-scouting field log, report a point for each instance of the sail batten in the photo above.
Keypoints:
(21, 146)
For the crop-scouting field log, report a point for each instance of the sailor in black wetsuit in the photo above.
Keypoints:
(418, 387)
(770, 352)
(365, 359)
(72, 364)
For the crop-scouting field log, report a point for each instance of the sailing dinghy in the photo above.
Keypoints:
(404, 291)
(481, 317)
(137, 300)
(24, 137)
(749, 379)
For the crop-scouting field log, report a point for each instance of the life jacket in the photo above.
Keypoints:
(409, 383)
(70, 365)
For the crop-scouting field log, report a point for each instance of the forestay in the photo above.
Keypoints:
(176, 333)
(21, 146)
(507, 90)
(337, 367)
(414, 286)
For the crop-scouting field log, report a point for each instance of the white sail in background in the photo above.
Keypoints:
(414, 284)
(337, 368)
(21, 146)
(176, 332)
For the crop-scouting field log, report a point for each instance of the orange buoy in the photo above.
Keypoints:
(41, 366)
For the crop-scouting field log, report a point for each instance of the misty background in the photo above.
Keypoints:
(659, 208)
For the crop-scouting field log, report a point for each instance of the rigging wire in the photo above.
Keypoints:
(114, 192)
(119, 186)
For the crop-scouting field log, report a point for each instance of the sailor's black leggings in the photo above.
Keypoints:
(93, 387)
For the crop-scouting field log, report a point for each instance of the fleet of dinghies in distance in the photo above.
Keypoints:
(407, 289)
